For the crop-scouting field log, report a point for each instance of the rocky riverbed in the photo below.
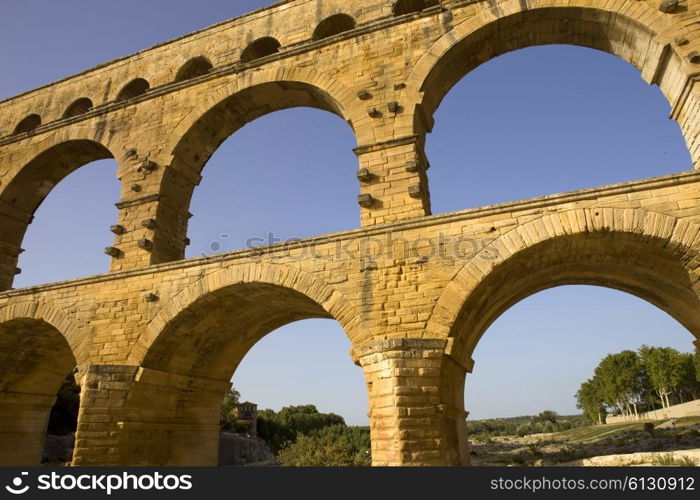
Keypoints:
(568, 448)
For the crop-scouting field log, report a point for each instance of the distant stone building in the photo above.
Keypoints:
(247, 412)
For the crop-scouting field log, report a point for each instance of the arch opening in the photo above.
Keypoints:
(260, 48)
(203, 345)
(402, 7)
(644, 266)
(312, 161)
(211, 336)
(537, 355)
(80, 203)
(28, 124)
(195, 67)
(293, 166)
(474, 43)
(333, 25)
(578, 118)
(78, 107)
(583, 27)
(134, 88)
(36, 360)
(640, 265)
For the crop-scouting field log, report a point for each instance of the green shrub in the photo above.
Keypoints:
(335, 446)
(667, 459)
(279, 429)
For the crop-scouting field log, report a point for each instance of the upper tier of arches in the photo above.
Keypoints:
(637, 37)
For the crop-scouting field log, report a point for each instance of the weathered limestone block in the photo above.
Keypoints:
(416, 415)
(23, 421)
(131, 415)
(397, 182)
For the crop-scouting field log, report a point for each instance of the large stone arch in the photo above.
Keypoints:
(243, 100)
(30, 183)
(40, 345)
(55, 317)
(328, 299)
(648, 254)
(190, 349)
(224, 111)
(642, 36)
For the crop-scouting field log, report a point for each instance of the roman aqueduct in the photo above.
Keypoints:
(156, 340)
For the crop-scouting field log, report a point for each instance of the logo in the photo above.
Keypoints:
(17, 483)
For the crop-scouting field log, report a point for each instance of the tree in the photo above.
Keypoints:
(548, 416)
(275, 433)
(626, 379)
(590, 399)
(334, 446)
(687, 388)
(623, 380)
(231, 399)
(283, 428)
(665, 368)
(306, 418)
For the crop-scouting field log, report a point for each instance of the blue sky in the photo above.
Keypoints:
(532, 122)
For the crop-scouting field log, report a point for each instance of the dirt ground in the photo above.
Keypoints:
(568, 446)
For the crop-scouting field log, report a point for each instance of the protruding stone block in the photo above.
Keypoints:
(149, 223)
(145, 244)
(415, 191)
(149, 166)
(669, 6)
(412, 166)
(365, 200)
(113, 251)
(364, 175)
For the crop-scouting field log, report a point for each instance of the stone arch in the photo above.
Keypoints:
(29, 186)
(647, 254)
(262, 47)
(135, 88)
(40, 346)
(640, 37)
(28, 124)
(36, 177)
(191, 348)
(259, 94)
(402, 7)
(330, 303)
(197, 66)
(225, 111)
(78, 107)
(221, 115)
(53, 316)
(333, 25)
